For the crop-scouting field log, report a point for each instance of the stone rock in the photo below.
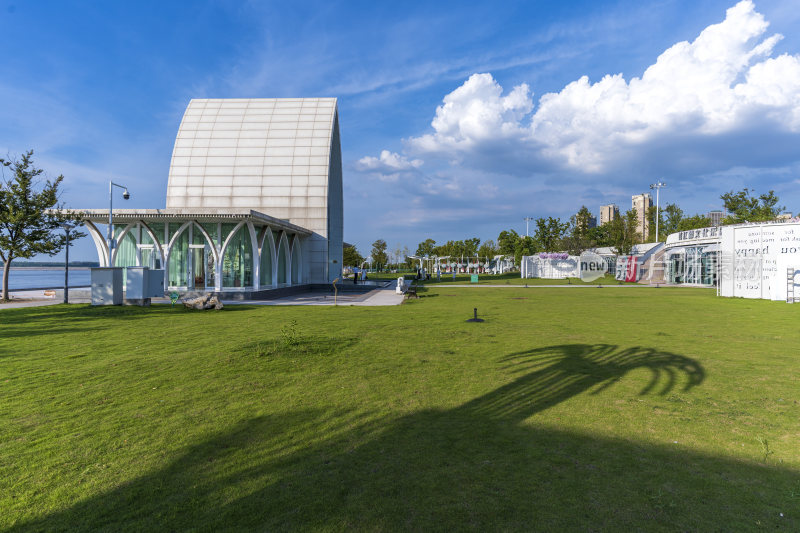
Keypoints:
(207, 301)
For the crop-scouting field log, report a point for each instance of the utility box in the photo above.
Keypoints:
(106, 285)
(154, 283)
(143, 284)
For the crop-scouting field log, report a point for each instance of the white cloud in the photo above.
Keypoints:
(388, 161)
(475, 112)
(389, 166)
(725, 83)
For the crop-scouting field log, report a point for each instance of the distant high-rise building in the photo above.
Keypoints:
(592, 222)
(608, 213)
(716, 217)
(641, 203)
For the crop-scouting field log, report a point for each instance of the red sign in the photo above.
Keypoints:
(631, 272)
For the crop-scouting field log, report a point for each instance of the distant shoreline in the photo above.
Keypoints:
(71, 267)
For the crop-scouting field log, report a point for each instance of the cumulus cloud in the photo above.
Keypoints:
(475, 112)
(390, 161)
(724, 86)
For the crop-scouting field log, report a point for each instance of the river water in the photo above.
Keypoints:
(46, 278)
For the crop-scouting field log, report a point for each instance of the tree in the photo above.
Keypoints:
(694, 222)
(29, 220)
(743, 207)
(507, 242)
(623, 234)
(580, 235)
(549, 233)
(600, 235)
(525, 246)
(487, 249)
(470, 246)
(351, 257)
(379, 258)
(398, 255)
(426, 247)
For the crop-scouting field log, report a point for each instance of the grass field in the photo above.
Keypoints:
(567, 409)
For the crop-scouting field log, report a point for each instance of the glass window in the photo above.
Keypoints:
(226, 230)
(179, 261)
(282, 254)
(237, 263)
(145, 238)
(126, 254)
(197, 235)
(296, 263)
(266, 262)
(158, 229)
(173, 229)
(211, 229)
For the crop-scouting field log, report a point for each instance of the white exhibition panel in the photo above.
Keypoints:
(754, 260)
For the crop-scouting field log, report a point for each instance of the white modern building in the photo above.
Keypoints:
(755, 260)
(254, 200)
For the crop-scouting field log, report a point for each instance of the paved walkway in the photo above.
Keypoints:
(35, 298)
(377, 297)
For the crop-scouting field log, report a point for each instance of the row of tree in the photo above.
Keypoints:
(576, 235)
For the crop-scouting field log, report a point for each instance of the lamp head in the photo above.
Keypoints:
(126, 195)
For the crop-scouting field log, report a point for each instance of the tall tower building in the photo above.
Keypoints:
(608, 213)
(715, 217)
(641, 203)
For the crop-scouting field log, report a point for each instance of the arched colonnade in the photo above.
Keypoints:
(206, 256)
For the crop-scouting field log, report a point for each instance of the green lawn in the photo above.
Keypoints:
(589, 410)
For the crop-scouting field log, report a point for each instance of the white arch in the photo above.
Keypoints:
(209, 240)
(99, 243)
(253, 247)
(269, 239)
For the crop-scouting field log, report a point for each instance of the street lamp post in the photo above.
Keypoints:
(67, 228)
(125, 195)
(527, 219)
(657, 187)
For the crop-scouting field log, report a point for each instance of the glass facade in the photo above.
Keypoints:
(237, 263)
(179, 260)
(265, 268)
(295, 263)
(282, 254)
(192, 261)
(692, 265)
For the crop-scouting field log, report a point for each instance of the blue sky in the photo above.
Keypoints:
(458, 119)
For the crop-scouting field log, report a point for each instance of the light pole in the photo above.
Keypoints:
(527, 219)
(657, 187)
(125, 195)
(67, 228)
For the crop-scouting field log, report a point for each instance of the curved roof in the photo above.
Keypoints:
(272, 155)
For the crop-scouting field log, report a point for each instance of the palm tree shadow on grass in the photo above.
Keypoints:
(553, 374)
(473, 467)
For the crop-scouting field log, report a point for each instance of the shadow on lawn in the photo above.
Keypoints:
(476, 466)
(77, 318)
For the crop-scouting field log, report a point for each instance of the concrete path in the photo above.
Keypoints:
(377, 297)
(33, 298)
